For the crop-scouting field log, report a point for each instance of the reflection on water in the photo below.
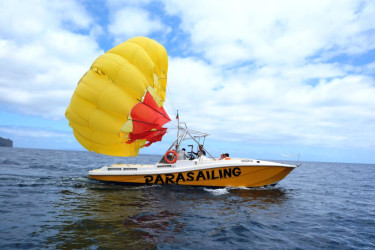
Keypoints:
(104, 215)
(261, 198)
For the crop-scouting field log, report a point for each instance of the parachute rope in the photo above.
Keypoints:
(170, 100)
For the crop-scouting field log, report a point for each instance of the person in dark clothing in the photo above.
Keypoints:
(200, 151)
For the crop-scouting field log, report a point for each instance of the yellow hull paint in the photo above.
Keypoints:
(235, 176)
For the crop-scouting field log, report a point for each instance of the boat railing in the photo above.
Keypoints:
(183, 133)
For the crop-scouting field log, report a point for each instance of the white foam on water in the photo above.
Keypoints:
(217, 191)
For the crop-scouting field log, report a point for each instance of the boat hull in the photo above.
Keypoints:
(228, 176)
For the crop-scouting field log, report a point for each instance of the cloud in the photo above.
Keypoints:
(278, 32)
(32, 137)
(271, 73)
(43, 54)
(27, 19)
(132, 21)
(31, 132)
(270, 108)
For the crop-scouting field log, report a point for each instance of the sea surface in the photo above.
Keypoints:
(48, 202)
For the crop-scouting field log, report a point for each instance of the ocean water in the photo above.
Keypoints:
(47, 201)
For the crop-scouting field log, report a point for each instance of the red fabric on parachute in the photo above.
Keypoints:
(150, 136)
(156, 138)
(148, 119)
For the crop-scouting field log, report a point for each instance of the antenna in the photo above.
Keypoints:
(298, 164)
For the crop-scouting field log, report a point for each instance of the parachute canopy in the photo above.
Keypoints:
(117, 106)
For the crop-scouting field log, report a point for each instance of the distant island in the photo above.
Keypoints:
(6, 142)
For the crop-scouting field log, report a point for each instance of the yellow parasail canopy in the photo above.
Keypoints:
(117, 106)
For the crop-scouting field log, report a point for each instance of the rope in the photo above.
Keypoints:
(170, 100)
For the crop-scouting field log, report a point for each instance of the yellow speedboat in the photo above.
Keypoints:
(200, 171)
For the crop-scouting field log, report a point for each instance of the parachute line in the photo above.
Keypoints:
(170, 101)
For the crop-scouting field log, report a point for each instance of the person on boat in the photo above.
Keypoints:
(200, 151)
(226, 156)
(182, 155)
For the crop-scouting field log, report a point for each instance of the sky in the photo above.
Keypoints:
(266, 79)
